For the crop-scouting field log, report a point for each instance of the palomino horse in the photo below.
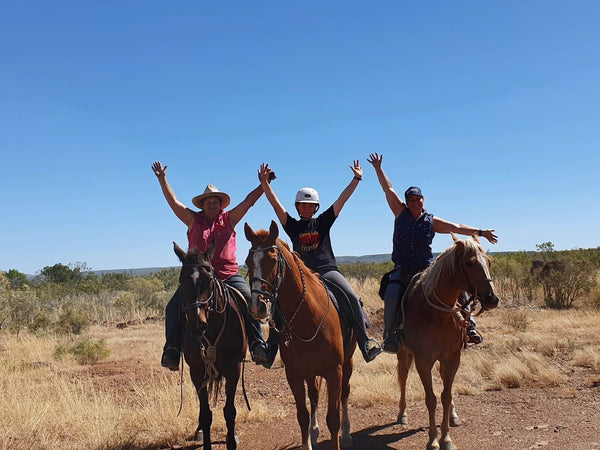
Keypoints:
(285, 291)
(214, 341)
(434, 329)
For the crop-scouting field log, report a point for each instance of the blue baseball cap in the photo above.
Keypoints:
(413, 190)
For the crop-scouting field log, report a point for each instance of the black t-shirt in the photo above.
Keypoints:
(310, 239)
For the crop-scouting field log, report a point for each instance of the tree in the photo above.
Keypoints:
(16, 279)
(58, 273)
(564, 279)
(546, 249)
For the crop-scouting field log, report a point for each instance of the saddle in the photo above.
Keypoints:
(343, 307)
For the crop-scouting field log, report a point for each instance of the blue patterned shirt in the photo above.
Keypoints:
(412, 242)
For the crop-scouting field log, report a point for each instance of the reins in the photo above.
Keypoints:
(208, 349)
(273, 295)
(442, 306)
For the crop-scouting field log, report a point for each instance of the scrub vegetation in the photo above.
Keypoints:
(79, 353)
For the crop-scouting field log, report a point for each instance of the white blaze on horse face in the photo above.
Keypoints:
(486, 269)
(256, 285)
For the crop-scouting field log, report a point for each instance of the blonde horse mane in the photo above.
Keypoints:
(445, 262)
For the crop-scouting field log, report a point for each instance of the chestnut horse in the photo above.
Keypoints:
(312, 336)
(435, 330)
(214, 341)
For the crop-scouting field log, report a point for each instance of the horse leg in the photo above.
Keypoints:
(447, 372)
(299, 392)
(405, 360)
(424, 370)
(454, 419)
(334, 393)
(205, 415)
(229, 411)
(346, 437)
(314, 386)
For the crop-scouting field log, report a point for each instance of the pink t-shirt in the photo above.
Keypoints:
(221, 231)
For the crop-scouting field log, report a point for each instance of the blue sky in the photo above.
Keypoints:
(491, 107)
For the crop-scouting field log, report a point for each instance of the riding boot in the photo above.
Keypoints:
(392, 317)
(473, 336)
(359, 325)
(260, 351)
(173, 334)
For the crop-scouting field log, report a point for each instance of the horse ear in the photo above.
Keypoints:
(249, 232)
(210, 251)
(179, 252)
(455, 238)
(273, 230)
(459, 247)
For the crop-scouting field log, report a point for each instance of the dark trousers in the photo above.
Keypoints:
(349, 303)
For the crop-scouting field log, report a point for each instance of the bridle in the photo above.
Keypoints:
(208, 349)
(211, 303)
(220, 294)
(272, 295)
(440, 305)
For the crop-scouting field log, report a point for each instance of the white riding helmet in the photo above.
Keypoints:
(307, 195)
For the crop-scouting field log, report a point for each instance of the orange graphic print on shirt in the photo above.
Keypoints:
(309, 241)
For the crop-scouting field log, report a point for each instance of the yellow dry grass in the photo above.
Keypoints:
(55, 403)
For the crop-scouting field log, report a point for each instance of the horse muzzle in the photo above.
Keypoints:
(489, 301)
(260, 308)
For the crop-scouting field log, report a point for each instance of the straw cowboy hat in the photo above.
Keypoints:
(211, 191)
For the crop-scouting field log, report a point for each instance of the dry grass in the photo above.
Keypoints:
(128, 401)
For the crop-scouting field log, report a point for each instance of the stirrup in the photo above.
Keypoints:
(371, 352)
(474, 337)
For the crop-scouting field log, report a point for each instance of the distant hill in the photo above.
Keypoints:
(381, 258)
(140, 272)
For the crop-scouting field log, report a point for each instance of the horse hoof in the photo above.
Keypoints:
(446, 445)
(402, 419)
(346, 442)
(199, 436)
(233, 443)
(455, 421)
(314, 437)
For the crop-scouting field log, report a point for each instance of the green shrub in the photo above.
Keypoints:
(361, 270)
(60, 351)
(72, 321)
(40, 323)
(89, 351)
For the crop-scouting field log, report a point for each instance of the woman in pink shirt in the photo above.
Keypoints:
(212, 223)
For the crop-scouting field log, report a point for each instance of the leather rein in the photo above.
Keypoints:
(273, 295)
(440, 305)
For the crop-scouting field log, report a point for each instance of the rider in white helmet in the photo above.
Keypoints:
(311, 240)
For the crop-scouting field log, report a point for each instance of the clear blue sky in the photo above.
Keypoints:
(493, 108)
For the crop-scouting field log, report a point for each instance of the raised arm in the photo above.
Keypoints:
(346, 193)
(236, 214)
(264, 175)
(393, 199)
(181, 211)
(443, 226)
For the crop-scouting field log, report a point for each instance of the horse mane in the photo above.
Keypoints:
(446, 261)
